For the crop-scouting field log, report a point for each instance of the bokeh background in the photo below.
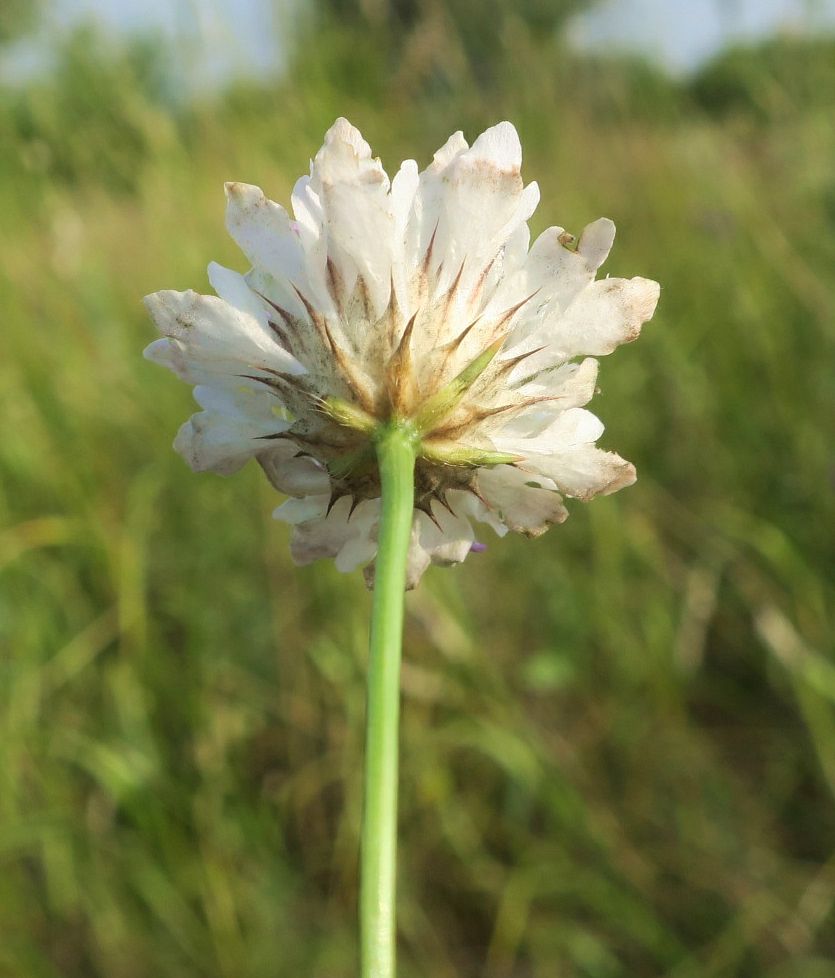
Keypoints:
(619, 740)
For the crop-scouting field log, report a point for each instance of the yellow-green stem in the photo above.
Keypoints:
(378, 859)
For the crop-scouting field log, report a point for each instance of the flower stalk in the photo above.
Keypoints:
(395, 446)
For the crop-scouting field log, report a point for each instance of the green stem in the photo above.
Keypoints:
(378, 860)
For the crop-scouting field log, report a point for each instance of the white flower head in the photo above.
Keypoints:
(420, 299)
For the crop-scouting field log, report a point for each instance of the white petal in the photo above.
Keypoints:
(350, 537)
(310, 228)
(568, 386)
(585, 471)
(208, 337)
(445, 539)
(292, 473)
(565, 453)
(403, 189)
(519, 502)
(342, 147)
(356, 208)
(262, 230)
(515, 253)
(307, 209)
(230, 430)
(603, 315)
(573, 384)
(232, 287)
(482, 204)
(449, 538)
(551, 278)
(418, 560)
(451, 150)
(596, 242)
(464, 503)
(572, 427)
(295, 511)
(426, 207)
(361, 546)
(281, 266)
(500, 146)
(404, 186)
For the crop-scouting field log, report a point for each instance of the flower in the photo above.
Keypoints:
(418, 299)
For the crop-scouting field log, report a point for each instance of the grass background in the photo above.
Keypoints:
(618, 741)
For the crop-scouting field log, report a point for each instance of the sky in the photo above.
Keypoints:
(226, 37)
(220, 38)
(684, 33)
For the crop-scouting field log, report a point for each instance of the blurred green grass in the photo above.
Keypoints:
(618, 741)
